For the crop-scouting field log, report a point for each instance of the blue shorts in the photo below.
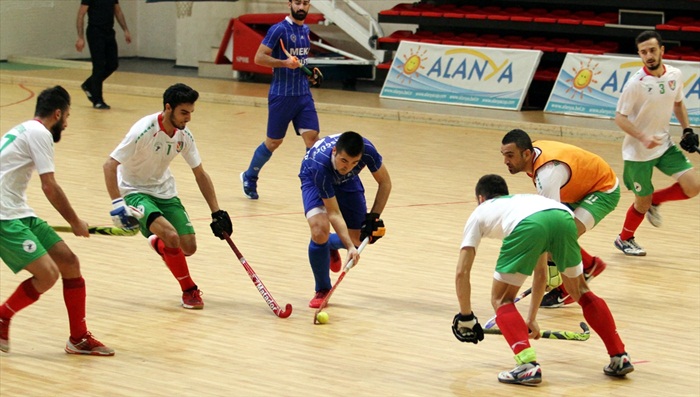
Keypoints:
(350, 196)
(300, 110)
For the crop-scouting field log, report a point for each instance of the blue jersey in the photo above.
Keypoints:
(317, 167)
(285, 81)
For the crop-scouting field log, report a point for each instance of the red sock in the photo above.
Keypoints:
(513, 327)
(598, 315)
(74, 297)
(586, 258)
(160, 246)
(671, 193)
(24, 295)
(176, 262)
(633, 219)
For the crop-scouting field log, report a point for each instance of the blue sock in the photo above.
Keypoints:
(320, 259)
(334, 242)
(260, 157)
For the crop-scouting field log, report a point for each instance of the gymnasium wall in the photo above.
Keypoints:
(46, 28)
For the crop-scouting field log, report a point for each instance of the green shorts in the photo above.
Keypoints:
(552, 231)
(637, 174)
(171, 209)
(598, 204)
(22, 241)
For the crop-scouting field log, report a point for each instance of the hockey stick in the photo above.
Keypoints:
(562, 335)
(346, 269)
(258, 283)
(303, 68)
(103, 230)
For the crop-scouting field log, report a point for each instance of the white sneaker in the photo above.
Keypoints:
(629, 247)
(654, 216)
(619, 366)
(525, 374)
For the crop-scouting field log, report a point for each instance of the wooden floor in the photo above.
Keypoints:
(389, 330)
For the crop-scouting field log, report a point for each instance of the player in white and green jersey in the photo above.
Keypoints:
(644, 114)
(530, 226)
(138, 176)
(26, 241)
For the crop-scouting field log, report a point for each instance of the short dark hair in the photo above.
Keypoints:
(490, 186)
(519, 137)
(51, 99)
(179, 93)
(647, 35)
(351, 143)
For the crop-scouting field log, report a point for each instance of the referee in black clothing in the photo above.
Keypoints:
(102, 43)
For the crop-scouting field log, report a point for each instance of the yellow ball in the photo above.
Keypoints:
(322, 317)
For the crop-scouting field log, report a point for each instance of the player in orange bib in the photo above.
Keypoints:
(578, 178)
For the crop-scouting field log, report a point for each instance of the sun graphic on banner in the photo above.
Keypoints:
(583, 77)
(412, 65)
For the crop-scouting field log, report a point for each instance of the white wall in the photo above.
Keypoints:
(46, 28)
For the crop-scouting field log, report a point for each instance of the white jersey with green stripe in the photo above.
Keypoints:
(498, 217)
(23, 149)
(145, 155)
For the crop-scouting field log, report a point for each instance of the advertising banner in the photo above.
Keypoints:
(590, 85)
(470, 76)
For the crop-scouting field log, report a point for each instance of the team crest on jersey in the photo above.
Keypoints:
(178, 147)
(293, 38)
(157, 147)
(672, 85)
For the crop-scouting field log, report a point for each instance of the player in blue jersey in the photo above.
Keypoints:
(333, 194)
(289, 99)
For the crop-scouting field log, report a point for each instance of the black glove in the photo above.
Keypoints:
(373, 227)
(316, 78)
(467, 328)
(221, 223)
(690, 141)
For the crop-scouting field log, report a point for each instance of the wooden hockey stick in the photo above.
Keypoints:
(102, 230)
(346, 269)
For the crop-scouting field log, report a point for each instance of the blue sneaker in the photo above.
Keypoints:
(250, 186)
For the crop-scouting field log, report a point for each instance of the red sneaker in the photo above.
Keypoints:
(88, 345)
(316, 301)
(595, 269)
(4, 335)
(336, 262)
(192, 299)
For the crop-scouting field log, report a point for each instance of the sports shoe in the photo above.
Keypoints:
(620, 365)
(336, 262)
(315, 302)
(101, 105)
(4, 335)
(629, 247)
(250, 186)
(554, 298)
(87, 92)
(192, 299)
(525, 374)
(654, 216)
(88, 345)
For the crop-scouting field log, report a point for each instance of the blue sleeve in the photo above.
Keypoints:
(272, 39)
(371, 157)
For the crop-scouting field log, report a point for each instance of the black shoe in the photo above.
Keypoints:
(101, 105)
(553, 299)
(87, 93)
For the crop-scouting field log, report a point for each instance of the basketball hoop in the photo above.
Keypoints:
(184, 8)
